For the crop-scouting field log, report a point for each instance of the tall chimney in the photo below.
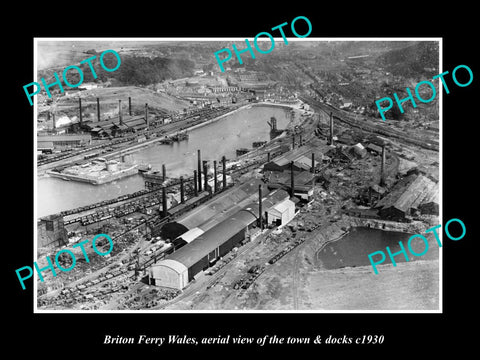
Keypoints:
(54, 122)
(205, 177)
(331, 128)
(292, 180)
(195, 184)
(120, 117)
(48, 115)
(268, 157)
(98, 109)
(214, 176)
(313, 163)
(199, 165)
(382, 169)
(182, 191)
(164, 201)
(164, 172)
(300, 141)
(146, 115)
(260, 211)
(293, 141)
(224, 170)
(80, 109)
(129, 106)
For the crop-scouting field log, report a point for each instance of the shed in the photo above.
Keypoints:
(281, 213)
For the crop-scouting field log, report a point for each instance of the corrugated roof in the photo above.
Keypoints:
(408, 193)
(284, 178)
(193, 252)
(77, 137)
(225, 230)
(191, 234)
(433, 196)
(420, 188)
(284, 206)
(45, 145)
(178, 267)
(220, 207)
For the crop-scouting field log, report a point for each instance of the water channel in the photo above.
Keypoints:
(217, 139)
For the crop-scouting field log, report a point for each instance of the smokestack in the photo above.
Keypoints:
(300, 141)
(164, 172)
(260, 219)
(224, 169)
(214, 176)
(331, 128)
(293, 141)
(268, 157)
(199, 165)
(313, 163)
(120, 117)
(98, 109)
(129, 106)
(164, 201)
(382, 169)
(292, 180)
(182, 193)
(205, 177)
(146, 114)
(195, 189)
(54, 123)
(80, 109)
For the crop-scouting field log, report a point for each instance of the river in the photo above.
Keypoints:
(217, 139)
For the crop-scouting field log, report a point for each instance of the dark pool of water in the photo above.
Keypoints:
(353, 249)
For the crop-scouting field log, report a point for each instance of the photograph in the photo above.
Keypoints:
(169, 179)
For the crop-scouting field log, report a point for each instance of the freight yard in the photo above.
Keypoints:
(245, 228)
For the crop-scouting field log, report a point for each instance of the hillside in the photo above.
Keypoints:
(420, 59)
(133, 70)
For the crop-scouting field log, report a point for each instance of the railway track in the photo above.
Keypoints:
(376, 129)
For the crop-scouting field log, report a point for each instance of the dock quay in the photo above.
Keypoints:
(96, 172)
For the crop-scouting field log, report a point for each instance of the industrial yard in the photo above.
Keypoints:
(224, 191)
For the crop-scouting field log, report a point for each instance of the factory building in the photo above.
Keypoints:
(201, 249)
(181, 266)
(407, 197)
(51, 231)
(303, 183)
(115, 126)
(301, 157)
(62, 141)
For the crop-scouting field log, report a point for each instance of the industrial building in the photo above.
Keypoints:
(407, 197)
(51, 231)
(304, 158)
(116, 126)
(303, 183)
(281, 213)
(203, 248)
(50, 142)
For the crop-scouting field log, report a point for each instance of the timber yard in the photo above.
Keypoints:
(244, 223)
